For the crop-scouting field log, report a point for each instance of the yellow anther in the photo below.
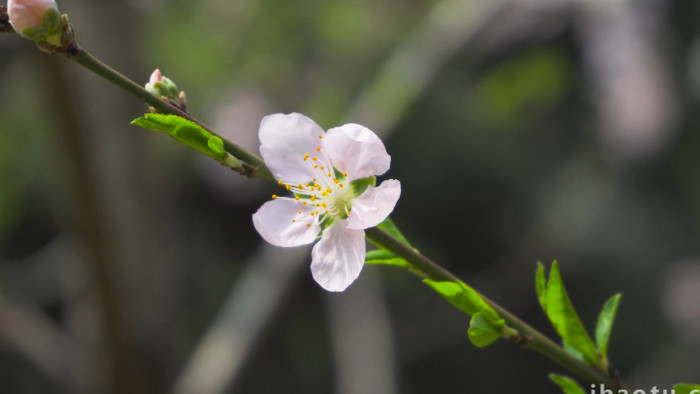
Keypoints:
(313, 198)
(347, 212)
(329, 175)
(318, 149)
(299, 212)
(345, 174)
(341, 185)
(315, 165)
(329, 190)
(274, 196)
(306, 156)
(313, 213)
(294, 220)
(300, 186)
(314, 180)
(324, 205)
(280, 183)
(327, 211)
(320, 137)
(308, 224)
(315, 158)
(304, 203)
(288, 186)
(335, 181)
(322, 167)
(297, 198)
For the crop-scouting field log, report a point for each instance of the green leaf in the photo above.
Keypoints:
(482, 332)
(35, 33)
(385, 257)
(185, 131)
(541, 286)
(52, 21)
(389, 226)
(686, 388)
(464, 298)
(567, 385)
(557, 305)
(605, 323)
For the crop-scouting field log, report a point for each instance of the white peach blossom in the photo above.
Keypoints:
(319, 169)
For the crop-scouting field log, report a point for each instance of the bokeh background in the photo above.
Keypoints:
(521, 130)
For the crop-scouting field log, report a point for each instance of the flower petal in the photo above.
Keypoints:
(356, 150)
(274, 223)
(285, 140)
(374, 205)
(336, 261)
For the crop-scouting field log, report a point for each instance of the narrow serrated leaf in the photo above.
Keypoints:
(686, 388)
(567, 385)
(541, 286)
(605, 323)
(561, 313)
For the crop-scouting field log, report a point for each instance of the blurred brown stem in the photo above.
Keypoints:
(121, 363)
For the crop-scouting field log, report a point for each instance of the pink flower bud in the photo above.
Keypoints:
(25, 14)
(155, 77)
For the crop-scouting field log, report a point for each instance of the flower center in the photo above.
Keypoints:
(326, 196)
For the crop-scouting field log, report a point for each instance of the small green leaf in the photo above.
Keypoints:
(541, 286)
(557, 305)
(385, 257)
(483, 332)
(605, 323)
(464, 298)
(389, 226)
(52, 21)
(35, 33)
(185, 131)
(360, 185)
(686, 388)
(567, 385)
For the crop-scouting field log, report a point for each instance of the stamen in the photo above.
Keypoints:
(287, 186)
(274, 196)
(308, 224)
(345, 174)
(315, 158)
(306, 156)
(320, 137)
(280, 183)
(297, 198)
(315, 165)
(294, 220)
(318, 149)
(329, 175)
(341, 185)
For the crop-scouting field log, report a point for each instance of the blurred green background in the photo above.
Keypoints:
(521, 130)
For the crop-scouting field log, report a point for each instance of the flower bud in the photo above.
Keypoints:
(162, 86)
(37, 20)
